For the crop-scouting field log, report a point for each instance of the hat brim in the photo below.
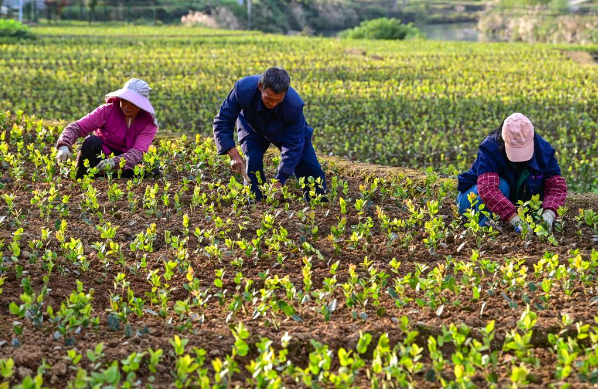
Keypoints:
(132, 97)
(520, 154)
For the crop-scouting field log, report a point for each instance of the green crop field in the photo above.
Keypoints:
(180, 281)
(415, 104)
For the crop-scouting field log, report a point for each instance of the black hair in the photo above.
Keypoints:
(497, 135)
(275, 78)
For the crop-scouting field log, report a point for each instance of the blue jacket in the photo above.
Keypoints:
(492, 158)
(284, 126)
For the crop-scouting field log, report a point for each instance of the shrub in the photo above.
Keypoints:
(13, 29)
(382, 28)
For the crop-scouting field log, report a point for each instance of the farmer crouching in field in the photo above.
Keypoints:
(267, 110)
(513, 164)
(125, 126)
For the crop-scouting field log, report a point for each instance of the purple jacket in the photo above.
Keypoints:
(108, 122)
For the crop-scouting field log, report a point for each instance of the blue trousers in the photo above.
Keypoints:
(464, 204)
(254, 147)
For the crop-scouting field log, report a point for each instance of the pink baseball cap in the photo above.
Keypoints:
(135, 91)
(518, 134)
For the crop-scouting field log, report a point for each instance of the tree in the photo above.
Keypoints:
(91, 6)
(54, 8)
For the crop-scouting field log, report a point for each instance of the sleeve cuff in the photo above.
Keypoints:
(551, 208)
(225, 150)
(509, 215)
(60, 144)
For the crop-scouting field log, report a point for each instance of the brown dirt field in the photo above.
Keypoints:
(206, 327)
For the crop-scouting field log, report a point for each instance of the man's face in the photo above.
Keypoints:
(269, 98)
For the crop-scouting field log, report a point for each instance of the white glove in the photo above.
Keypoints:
(519, 224)
(105, 164)
(63, 154)
(549, 217)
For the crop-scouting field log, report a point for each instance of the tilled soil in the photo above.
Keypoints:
(206, 326)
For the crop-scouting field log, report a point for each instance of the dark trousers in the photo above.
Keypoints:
(91, 149)
(254, 147)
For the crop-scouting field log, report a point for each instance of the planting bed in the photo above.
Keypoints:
(181, 281)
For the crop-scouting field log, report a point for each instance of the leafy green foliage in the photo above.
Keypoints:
(382, 28)
(413, 104)
(13, 29)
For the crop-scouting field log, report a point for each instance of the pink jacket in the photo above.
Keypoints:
(108, 122)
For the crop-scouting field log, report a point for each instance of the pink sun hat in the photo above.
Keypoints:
(135, 91)
(518, 134)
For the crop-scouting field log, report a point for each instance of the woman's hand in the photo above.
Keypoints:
(549, 217)
(519, 224)
(106, 164)
(63, 154)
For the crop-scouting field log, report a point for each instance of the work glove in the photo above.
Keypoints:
(519, 224)
(549, 216)
(106, 164)
(63, 154)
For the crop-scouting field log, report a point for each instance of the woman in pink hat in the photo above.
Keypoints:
(513, 164)
(125, 126)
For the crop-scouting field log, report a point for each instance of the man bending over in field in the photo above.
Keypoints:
(513, 164)
(267, 110)
(125, 126)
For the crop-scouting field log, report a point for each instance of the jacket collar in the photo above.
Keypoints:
(533, 163)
